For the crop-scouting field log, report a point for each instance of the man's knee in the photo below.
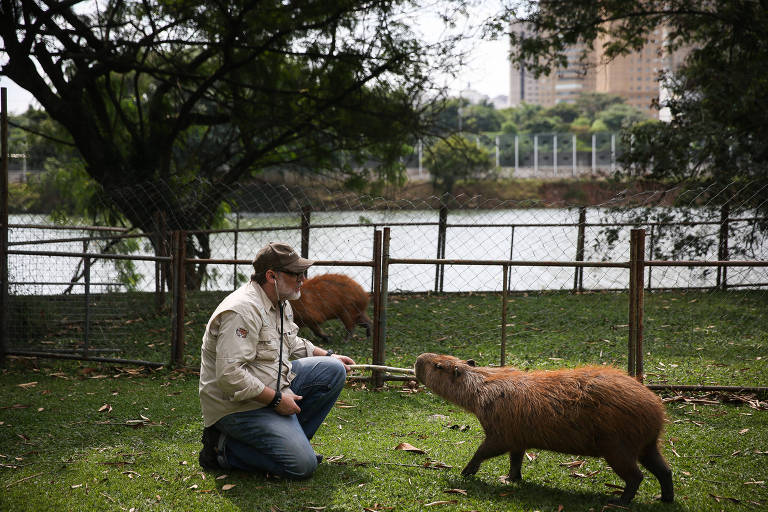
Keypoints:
(302, 467)
(337, 375)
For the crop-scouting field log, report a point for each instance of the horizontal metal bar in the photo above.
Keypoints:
(318, 263)
(66, 283)
(72, 228)
(510, 263)
(704, 263)
(91, 255)
(82, 357)
(80, 239)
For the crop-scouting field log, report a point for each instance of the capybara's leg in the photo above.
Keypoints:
(318, 332)
(516, 464)
(626, 467)
(486, 450)
(348, 320)
(655, 463)
(365, 321)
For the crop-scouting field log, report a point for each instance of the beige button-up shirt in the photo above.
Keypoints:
(240, 351)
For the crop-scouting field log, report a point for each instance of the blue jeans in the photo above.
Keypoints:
(263, 440)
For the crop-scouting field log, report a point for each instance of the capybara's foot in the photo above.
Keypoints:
(471, 469)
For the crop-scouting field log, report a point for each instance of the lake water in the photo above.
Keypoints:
(473, 241)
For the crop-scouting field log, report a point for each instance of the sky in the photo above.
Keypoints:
(487, 69)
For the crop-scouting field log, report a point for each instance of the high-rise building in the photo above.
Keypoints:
(634, 77)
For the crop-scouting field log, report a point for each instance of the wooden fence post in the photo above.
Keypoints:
(178, 259)
(636, 290)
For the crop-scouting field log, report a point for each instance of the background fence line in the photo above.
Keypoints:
(381, 263)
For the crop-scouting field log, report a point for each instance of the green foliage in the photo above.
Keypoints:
(453, 159)
(185, 99)
(598, 126)
(509, 128)
(718, 129)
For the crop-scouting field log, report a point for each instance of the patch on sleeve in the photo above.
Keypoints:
(241, 332)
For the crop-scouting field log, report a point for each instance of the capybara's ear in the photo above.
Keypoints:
(471, 362)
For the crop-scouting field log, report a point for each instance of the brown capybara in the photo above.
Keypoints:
(329, 296)
(595, 411)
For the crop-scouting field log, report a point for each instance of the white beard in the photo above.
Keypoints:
(287, 292)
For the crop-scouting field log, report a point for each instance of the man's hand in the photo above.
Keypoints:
(287, 405)
(344, 359)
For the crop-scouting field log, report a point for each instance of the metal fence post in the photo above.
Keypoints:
(178, 259)
(578, 274)
(575, 156)
(376, 295)
(161, 268)
(380, 354)
(554, 154)
(636, 289)
(511, 250)
(651, 249)
(504, 295)
(722, 247)
(4, 297)
(306, 213)
(237, 233)
(87, 296)
(441, 235)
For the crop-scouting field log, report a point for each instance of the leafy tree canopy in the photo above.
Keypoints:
(455, 158)
(187, 98)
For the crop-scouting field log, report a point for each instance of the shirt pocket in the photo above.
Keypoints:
(267, 346)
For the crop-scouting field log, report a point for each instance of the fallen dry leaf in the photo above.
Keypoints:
(743, 431)
(105, 408)
(221, 477)
(227, 487)
(409, 448)
(27, 385)
(456, 491)
(441, 502)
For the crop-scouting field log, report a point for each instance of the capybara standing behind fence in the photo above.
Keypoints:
(595, 411)
(329, 296)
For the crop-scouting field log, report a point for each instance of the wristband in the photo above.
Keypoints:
(329, 352)
(276, 400)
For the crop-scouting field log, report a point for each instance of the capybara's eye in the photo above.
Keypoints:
(438, 366)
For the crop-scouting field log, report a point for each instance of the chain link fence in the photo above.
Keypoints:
(106, 293)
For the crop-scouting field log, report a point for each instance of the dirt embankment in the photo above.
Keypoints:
(538, 193)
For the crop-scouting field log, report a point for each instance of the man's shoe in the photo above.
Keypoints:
(208, 455)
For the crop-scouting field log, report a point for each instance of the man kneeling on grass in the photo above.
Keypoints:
(260, 407)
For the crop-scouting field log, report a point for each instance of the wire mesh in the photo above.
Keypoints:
(694, 314)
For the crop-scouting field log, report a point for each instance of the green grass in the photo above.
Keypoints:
(62, 449)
